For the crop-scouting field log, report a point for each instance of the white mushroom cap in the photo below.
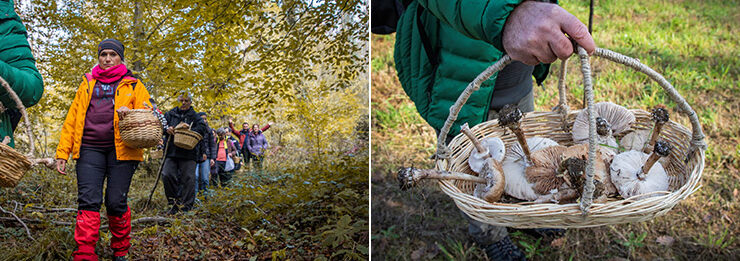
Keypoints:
(619, 117)
(495, 146)
(624, 170)
(515, 153)
(635, 140)
(478, 159)
(516, 181)
(514, 167)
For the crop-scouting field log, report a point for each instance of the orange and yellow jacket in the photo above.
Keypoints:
(130, 93)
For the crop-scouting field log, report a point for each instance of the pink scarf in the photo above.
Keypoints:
(110, 75)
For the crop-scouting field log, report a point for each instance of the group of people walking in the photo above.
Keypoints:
(214, 159)
(91, 136)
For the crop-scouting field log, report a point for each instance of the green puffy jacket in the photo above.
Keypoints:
(464, 38)
(17, 66)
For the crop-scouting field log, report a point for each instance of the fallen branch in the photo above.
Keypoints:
(20, 221)
(39, 208)
(28, 220)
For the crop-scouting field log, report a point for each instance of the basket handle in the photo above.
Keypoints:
(21, 108)
(442, 150)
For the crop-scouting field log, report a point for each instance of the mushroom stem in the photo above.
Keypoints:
(661, 149)
(602, 126)
(408, 177)
(522, 140)
(510, 116)
(466, 130)
(660, 116)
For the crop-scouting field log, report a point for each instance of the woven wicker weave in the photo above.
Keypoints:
(156, 154)
(685, 167)
(12, 166)
(186, 139)
(140, 129)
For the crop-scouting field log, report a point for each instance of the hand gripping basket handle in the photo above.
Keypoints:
(697, 141)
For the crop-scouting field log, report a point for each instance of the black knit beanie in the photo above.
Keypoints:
(112, 44)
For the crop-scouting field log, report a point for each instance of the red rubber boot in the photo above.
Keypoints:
(86, 235)
(120, 229)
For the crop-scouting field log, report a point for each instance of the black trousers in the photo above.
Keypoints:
(178, 177)
(95, 166)
(223, 177)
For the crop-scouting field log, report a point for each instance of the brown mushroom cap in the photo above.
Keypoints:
(619, 117)
(543, 172)
(601, 173)
(494, 188)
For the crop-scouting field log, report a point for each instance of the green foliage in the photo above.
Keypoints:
(634, 241)
(715, 241)
(456, 250)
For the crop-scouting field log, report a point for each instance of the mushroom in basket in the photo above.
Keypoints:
(518, 156)
(636, 173)
(556, 175)
(611, 119)
(619, 118)
(638, 140)
(490, 186)
(485, 159)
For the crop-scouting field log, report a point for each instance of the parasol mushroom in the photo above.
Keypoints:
(607, 143)
(635, 140)
(636, 173)
(510, 117)
(548, 173)
(617, 116)
(660, 117)
(485, 160)
(409, 177)
(644, 140)
(515, 164)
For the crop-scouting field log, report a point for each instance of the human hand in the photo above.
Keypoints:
(213, 162)
(122, 111)
(171, 130)
(61, 166)
(204, 157)
(535, 33)
(270, 123)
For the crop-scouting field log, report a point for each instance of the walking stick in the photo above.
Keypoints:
(159, 172)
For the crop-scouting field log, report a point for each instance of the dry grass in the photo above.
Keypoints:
(694, 45)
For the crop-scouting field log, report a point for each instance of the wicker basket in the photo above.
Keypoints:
(686, 161)
(13, 164)
(186, 139)
(156, 154)
(140, 129)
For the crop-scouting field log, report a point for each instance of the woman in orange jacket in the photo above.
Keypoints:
(90, 135)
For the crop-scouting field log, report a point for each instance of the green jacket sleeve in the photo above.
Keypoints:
(477, 19)
(17, 65)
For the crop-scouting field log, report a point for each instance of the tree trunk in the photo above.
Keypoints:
(139, 36)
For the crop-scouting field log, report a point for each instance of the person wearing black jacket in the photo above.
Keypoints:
(178, 172)
(206, 149)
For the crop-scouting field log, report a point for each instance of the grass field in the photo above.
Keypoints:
(694, 44)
